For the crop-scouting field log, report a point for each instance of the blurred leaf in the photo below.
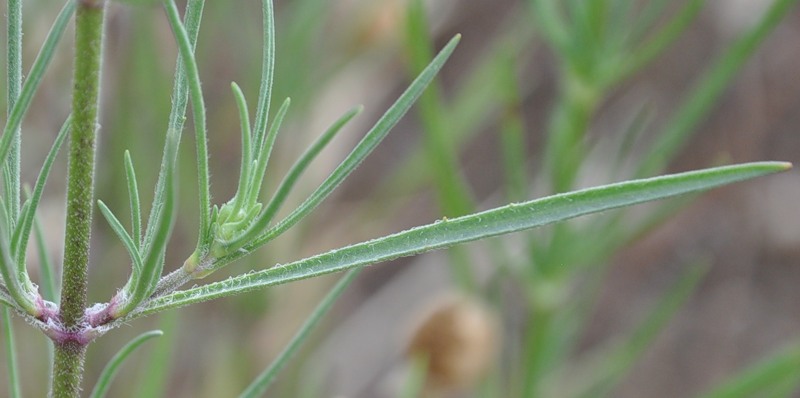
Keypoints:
(609, 367)
(107, 375)
(14, 388)
(153, 375)
(259, 386)
(776, 370)
(708, 90)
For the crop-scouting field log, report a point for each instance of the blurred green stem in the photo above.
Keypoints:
(565, 148)
(70, 353)
(11, 169)
(534, 347)
(453, 194)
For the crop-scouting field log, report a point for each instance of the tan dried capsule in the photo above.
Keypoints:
(458, 338)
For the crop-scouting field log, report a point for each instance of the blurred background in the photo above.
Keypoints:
(487, 134)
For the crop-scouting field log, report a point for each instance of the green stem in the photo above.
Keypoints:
(565, 147)
(14, 54)
(67, 369)
(535, 352)
(11, 177)
(69, 358)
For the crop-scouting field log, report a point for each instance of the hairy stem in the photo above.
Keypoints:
(68, 362)
(14, 75)
(67, 369)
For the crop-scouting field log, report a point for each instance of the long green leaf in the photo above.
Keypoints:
(259, 386)
(263, 157)
(247, 152)
(511, 218)
(186, 50)
(25, 225)
(34, 79)
(264, 142)
(267, 72)
(48, 279)
(133, 198)
(180, 98)
(104, 381)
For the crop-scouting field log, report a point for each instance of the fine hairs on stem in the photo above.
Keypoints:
(598, 45)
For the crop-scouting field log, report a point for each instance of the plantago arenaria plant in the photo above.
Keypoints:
(228, 230)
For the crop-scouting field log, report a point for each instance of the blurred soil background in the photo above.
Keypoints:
(336, 54)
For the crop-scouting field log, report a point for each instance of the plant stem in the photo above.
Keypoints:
(68, 362)
(14, 54)
(68, 369)
(11, 169)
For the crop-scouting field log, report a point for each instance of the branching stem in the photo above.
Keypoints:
(69, 355)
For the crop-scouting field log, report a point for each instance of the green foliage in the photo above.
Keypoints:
(598, 43)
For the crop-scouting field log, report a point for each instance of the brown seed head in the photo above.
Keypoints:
(458, 338)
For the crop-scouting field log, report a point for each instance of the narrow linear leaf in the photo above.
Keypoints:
(267, 72)
(247, 151)
(778, 369)
(186, 49)
(34, 79)
(133, 198)
(14, 388)
(180, 98)
(48, 282)
(25, 225)
(264, 153)
(122, 234)
(259, 386)
(104, 381)
(289, 181)
(367, 144)
(16, 235)
(511, 218)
